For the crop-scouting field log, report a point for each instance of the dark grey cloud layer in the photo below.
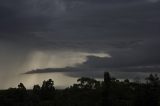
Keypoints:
(96, 19)
(126, 29)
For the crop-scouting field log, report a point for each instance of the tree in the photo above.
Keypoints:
(107, 78)
(106, 89)
(47, 89)
(88, 83)
(153, 79)
(48, 85)
(126, 81)
(21, 87)
(36, 89)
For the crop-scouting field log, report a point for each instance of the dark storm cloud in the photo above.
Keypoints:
(96, 19)
(54, 70)
(22, 16)
(140, 56)
(126, 29)
(144, 53)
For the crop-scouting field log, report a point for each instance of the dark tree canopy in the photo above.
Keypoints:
(87, 92)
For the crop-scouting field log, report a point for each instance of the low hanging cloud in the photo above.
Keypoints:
(140, 56)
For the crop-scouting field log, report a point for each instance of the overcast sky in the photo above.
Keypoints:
(83, 35)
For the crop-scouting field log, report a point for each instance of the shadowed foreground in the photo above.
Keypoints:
(87, 92)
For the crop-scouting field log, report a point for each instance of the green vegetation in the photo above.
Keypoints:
(87, 92)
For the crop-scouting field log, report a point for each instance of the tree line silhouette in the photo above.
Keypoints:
(87, 92)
